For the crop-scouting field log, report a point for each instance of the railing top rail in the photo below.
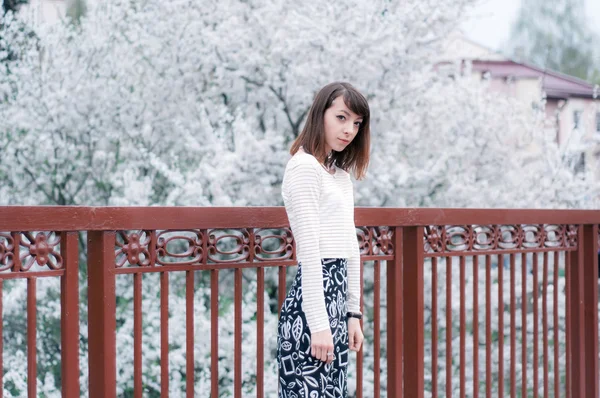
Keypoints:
(84, 218)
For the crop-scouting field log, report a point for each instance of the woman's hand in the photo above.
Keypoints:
(355, 335)
(321, 344)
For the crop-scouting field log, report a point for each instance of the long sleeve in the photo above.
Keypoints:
(305, 191)
(353, 301)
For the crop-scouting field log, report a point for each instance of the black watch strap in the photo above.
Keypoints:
(356, 315)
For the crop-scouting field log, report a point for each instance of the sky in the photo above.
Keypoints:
(490, 22)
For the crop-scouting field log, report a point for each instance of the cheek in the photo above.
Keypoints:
(329, 126)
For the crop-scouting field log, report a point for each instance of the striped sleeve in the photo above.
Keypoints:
(305, 192)
(354, 269)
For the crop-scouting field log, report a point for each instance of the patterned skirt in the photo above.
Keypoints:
(300, 374)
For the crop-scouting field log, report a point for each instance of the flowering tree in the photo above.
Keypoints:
(178, 103)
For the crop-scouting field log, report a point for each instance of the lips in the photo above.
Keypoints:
(344, 141)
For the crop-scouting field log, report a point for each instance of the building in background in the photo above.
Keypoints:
(46, 10)
(54, 10)
(572, 106)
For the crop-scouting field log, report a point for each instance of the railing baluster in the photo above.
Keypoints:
(500, 325)
(282, 288)
(448, 327)
(463, 326)
(488, 326)
(214, 332)
(513, 328)
(164, 334)
(237, 358)
(359, 355)
(568, 275)
(260, 338)
(555, 325)
(535, 325)
(545, 322)
(31, 338)
(137, 335)
(524, 325)
(475, 327)
(434, 327)
(69, 329)
(281, 293)
(1, 338)
(189, 328)
(377, 327)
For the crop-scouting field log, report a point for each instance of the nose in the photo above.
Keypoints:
(348, 128)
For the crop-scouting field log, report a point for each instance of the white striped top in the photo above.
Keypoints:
(320, 209)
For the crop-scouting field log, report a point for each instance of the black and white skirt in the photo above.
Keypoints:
(300, 374)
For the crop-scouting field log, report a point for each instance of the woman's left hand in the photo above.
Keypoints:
(355, 335)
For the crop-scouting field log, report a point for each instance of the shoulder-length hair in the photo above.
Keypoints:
(355, 157)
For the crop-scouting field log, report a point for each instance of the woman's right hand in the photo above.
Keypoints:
(321, 344)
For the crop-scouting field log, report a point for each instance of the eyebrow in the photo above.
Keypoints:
(346, 112)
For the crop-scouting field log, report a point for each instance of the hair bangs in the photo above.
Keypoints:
(357, 103)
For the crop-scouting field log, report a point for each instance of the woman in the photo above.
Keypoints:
(320, 317)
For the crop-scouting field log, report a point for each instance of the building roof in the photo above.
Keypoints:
(555, 84)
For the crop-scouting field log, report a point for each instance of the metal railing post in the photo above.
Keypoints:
(394, 318)
(101, 314)
(69, 285)
(413, 302)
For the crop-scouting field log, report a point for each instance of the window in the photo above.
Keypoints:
(576, 119)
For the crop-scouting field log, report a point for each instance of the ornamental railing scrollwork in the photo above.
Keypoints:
(144, 248)
(457, 239)
(30, 251)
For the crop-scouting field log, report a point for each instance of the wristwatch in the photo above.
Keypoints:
(356, 315)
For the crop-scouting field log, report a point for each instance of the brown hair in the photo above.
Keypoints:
(312, 138)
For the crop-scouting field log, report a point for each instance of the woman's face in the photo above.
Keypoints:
(341, 125)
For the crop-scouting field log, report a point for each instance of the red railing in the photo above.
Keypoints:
(402, 254)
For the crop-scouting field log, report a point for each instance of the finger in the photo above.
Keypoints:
(328, 357)
(351, 340)
(326, 350)
(313, 350)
